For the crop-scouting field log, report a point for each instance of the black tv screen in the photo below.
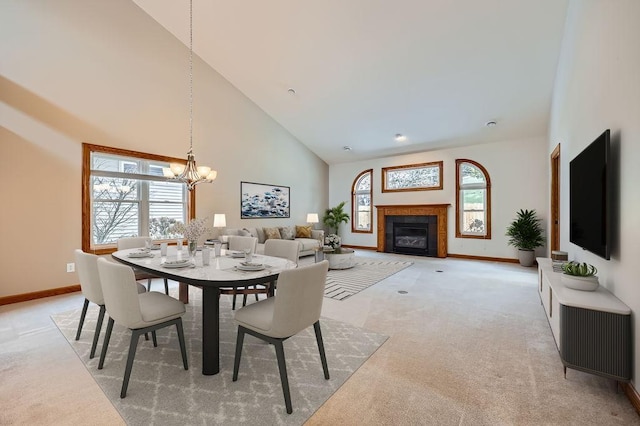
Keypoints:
(589, 197)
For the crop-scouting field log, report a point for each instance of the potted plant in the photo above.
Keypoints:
(580, 276)
(525, 233)
(335, 216)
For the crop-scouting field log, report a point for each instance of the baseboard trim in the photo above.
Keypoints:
(633, 395)
(7, 300)
(360, 247)
(490, 259)
(457, 256)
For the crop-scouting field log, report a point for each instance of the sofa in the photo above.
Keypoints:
(308, 238)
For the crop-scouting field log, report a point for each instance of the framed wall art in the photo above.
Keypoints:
(261, 200)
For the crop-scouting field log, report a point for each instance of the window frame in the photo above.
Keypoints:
(87, 150)
(459, 207)
(354, 204)
(438, 164)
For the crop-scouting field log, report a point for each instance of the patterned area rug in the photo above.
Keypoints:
(344, 283)
(161, 392)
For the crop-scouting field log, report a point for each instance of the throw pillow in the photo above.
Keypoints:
(287, 232)
(272, 234)
(303, 231)
(244, 233)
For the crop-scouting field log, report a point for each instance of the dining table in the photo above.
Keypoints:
(223, 272)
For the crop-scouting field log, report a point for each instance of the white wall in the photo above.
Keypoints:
(598, 88)
(104, 72)
(518, 171)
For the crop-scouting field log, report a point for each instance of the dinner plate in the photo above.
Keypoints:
(140, 254)
(245, 266)
(175, 264)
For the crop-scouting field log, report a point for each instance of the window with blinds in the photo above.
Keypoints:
(128, 195)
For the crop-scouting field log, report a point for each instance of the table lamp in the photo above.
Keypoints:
(312, 218)
(219, 221)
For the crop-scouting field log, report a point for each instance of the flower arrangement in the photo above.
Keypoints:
(332, 240)
(192, 230)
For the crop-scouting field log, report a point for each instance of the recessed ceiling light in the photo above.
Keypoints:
(491, 123)
(400, 137)
(346, 148)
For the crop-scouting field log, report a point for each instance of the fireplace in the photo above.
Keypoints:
(412, 234)
(418, 225)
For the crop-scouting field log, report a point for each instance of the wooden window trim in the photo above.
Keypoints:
(413, 166)
(354, 204)
(87, 149)
(459, 233)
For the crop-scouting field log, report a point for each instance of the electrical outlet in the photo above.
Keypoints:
(71, 267)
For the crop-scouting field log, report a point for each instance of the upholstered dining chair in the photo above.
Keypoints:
(296, 306)
(240, 243)
(138, 242)
(141, 313)
(286, 249)
(87, 268)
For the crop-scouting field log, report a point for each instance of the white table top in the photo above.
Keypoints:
(221, 269)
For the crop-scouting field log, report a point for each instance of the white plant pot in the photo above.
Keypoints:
(526, 257)
(580, 283)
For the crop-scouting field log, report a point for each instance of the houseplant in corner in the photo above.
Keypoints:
(525, 233)
(335, 216)
(580, 276)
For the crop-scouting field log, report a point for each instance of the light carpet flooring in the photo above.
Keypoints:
(468, 346)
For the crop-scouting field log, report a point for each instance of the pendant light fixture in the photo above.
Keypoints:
(190, 174)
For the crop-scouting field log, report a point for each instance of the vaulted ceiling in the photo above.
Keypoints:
(435, 71)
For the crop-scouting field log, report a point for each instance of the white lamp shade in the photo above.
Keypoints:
(219, 220)
(212, 175)
(176, 168)
(166, 171)
(312, 217)
(203, 171)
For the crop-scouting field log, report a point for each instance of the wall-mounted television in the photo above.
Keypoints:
(590, 197)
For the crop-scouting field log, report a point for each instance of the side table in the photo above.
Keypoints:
(342, 258)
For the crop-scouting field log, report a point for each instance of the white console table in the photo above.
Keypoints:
(592, 329)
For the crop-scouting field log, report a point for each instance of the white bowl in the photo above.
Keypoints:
(580, 283)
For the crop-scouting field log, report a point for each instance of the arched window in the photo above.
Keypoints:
(361, 202)
(473, 206)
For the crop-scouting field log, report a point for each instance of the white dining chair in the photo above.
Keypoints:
(240, 243)
(139, 242)
(87, 269)
(141, 313)
(286, 249)
(297, 306)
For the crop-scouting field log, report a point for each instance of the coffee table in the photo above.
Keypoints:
(341, 258)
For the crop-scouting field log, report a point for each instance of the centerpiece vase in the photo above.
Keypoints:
(192, 246)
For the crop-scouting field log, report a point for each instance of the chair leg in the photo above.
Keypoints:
(96, 335)
(148, 285)
(155, 339)
(244, 299)
(233, 307)
(236, 361)
(105, 344)
(166, 287)
(132, 353)
(323, 357)
(82, 315)
(256, 288)
(282, 366)
(183, 347)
